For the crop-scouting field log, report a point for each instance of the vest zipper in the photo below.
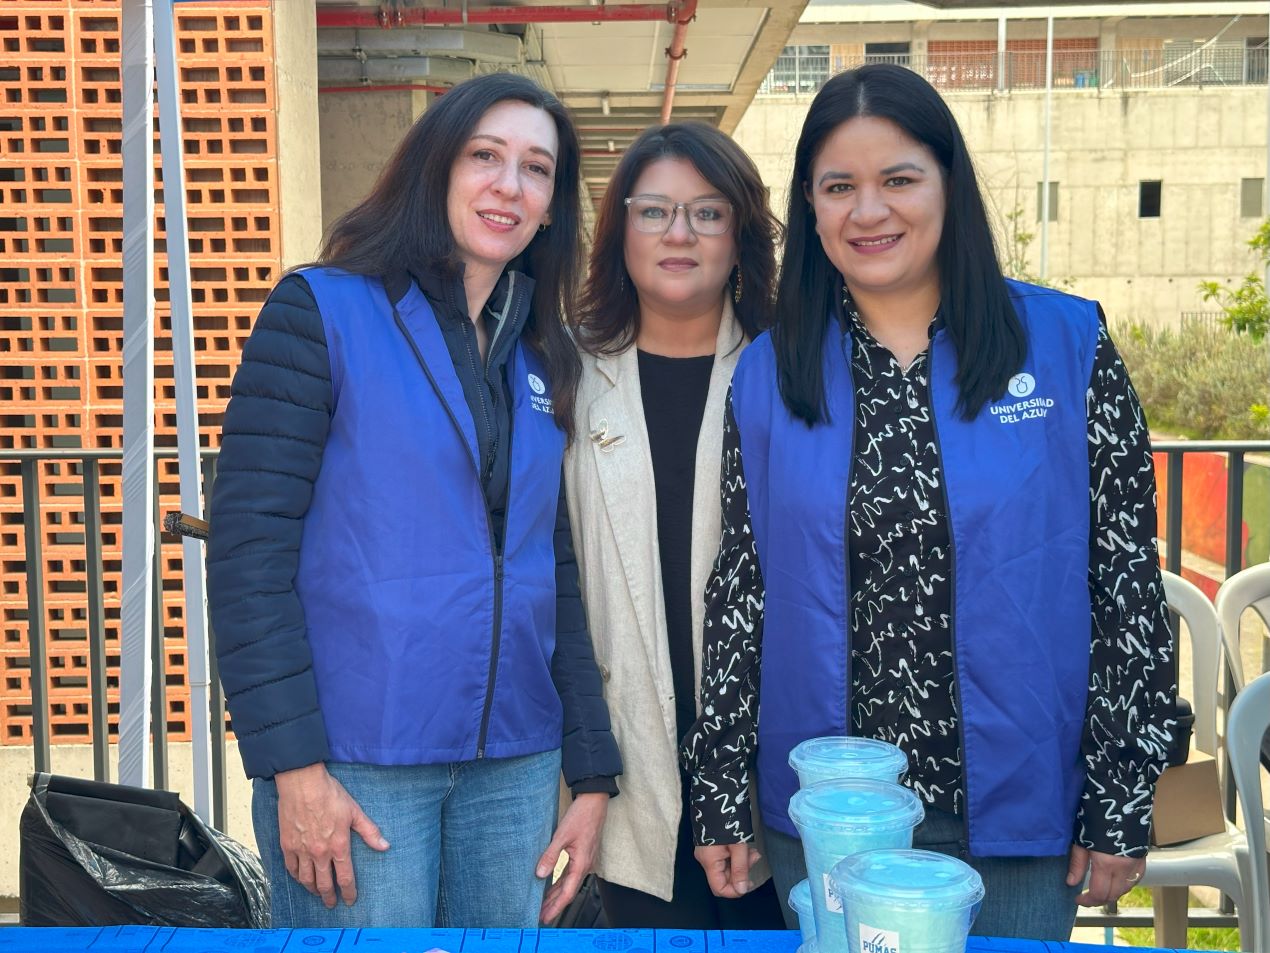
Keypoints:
(496, 639)
(952, 604)
(846, 535)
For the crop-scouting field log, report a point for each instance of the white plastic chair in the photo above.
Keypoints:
(1249, 589)
(1217, 860)
(1246, 726)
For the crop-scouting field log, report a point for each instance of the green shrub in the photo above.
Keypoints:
(1199, 380)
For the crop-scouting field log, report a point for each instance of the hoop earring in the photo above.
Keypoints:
(542, 228)
(736, 289)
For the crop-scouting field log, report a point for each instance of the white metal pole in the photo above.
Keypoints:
(183, 374)
(1001, 57)
(1043, 271)
(136, 614)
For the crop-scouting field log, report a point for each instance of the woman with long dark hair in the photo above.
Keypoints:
(391, 575)
(681, 278)
(939, 524)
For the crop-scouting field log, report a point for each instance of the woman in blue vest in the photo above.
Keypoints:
(391, 576)
(939, 511)
(681, 278)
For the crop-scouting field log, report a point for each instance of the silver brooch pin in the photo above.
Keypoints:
(600, 437)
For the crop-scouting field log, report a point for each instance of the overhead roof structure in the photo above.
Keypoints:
(610, 62)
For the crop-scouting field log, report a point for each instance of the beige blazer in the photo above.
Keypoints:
(613, 509)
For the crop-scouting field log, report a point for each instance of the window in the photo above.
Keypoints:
(1040, 197)
(1149, 199)
(1250, 197)
(1255, 60)
(799, 69)
(897, 53)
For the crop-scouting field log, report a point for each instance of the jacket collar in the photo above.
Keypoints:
(613, 366)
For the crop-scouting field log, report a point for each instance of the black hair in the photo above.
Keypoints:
(986, 333)
(404, 223)
(608, 312)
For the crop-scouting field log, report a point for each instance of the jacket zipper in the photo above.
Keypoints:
(478, 374)
(952, 604)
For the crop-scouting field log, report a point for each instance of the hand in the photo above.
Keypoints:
(727, 868)
(578, 834)
(1110, 877)
(315, 814)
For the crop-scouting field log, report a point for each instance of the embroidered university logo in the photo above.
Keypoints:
(1030, 408)
(1021, 385)
(537, 400)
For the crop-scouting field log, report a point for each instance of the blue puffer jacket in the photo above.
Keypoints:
(277, 433)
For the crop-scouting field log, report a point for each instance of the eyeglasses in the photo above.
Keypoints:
(655, 216)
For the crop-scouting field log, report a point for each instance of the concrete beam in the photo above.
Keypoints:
(482, 46)
(397, 69)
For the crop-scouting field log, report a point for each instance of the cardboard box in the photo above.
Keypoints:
(1187, 802)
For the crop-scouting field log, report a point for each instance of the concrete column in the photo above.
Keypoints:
(296, 99)
(358, 132)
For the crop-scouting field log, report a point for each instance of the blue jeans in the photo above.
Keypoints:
(465, 839)
(1025, 897)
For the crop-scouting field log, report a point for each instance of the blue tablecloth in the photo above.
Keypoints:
(167, 940)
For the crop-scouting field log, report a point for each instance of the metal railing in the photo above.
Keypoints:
(90, 467)
(87, 469)
(796, 72)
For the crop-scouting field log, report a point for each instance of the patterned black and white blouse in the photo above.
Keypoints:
(902, 673)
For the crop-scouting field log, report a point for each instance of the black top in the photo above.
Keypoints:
(1127, 732)
(898, 552)
(674, 391)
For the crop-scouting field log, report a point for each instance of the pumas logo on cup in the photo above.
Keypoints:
(833, 902)
(873, 940)
(1031, 408)
(536, 399)
(1022, 384)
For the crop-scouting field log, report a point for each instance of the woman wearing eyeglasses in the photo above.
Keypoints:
(680, 280)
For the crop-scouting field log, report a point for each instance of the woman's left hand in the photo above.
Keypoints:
(578, 834)
(1110, 877)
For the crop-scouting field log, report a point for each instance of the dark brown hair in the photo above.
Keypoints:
(608, 312)
(404, 222)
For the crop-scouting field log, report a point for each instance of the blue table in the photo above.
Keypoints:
(168, 940)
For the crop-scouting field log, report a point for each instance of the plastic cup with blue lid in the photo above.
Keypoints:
(836, 819)
(800, 903)
(834, 757)
(907, 901)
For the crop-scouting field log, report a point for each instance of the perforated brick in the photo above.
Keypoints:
(61, 304)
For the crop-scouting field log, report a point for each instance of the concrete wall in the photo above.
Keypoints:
(299, 165)
(358, 133)
(1198, 141)
(77, 761)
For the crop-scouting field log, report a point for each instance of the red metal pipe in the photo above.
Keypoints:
(675, 53)
(368, 88)
(367, 17)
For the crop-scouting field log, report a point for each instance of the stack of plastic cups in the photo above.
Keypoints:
(912, 901)
(833, 758)
(837, 819)
(800, 903)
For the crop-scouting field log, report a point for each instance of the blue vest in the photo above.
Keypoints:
(1017, 484)
(427, 648)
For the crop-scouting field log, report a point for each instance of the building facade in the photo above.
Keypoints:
(1157, 147)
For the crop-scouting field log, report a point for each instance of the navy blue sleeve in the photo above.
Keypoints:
(590, 759)
(274, 433)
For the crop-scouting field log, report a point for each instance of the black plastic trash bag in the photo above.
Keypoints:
(97, 854)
